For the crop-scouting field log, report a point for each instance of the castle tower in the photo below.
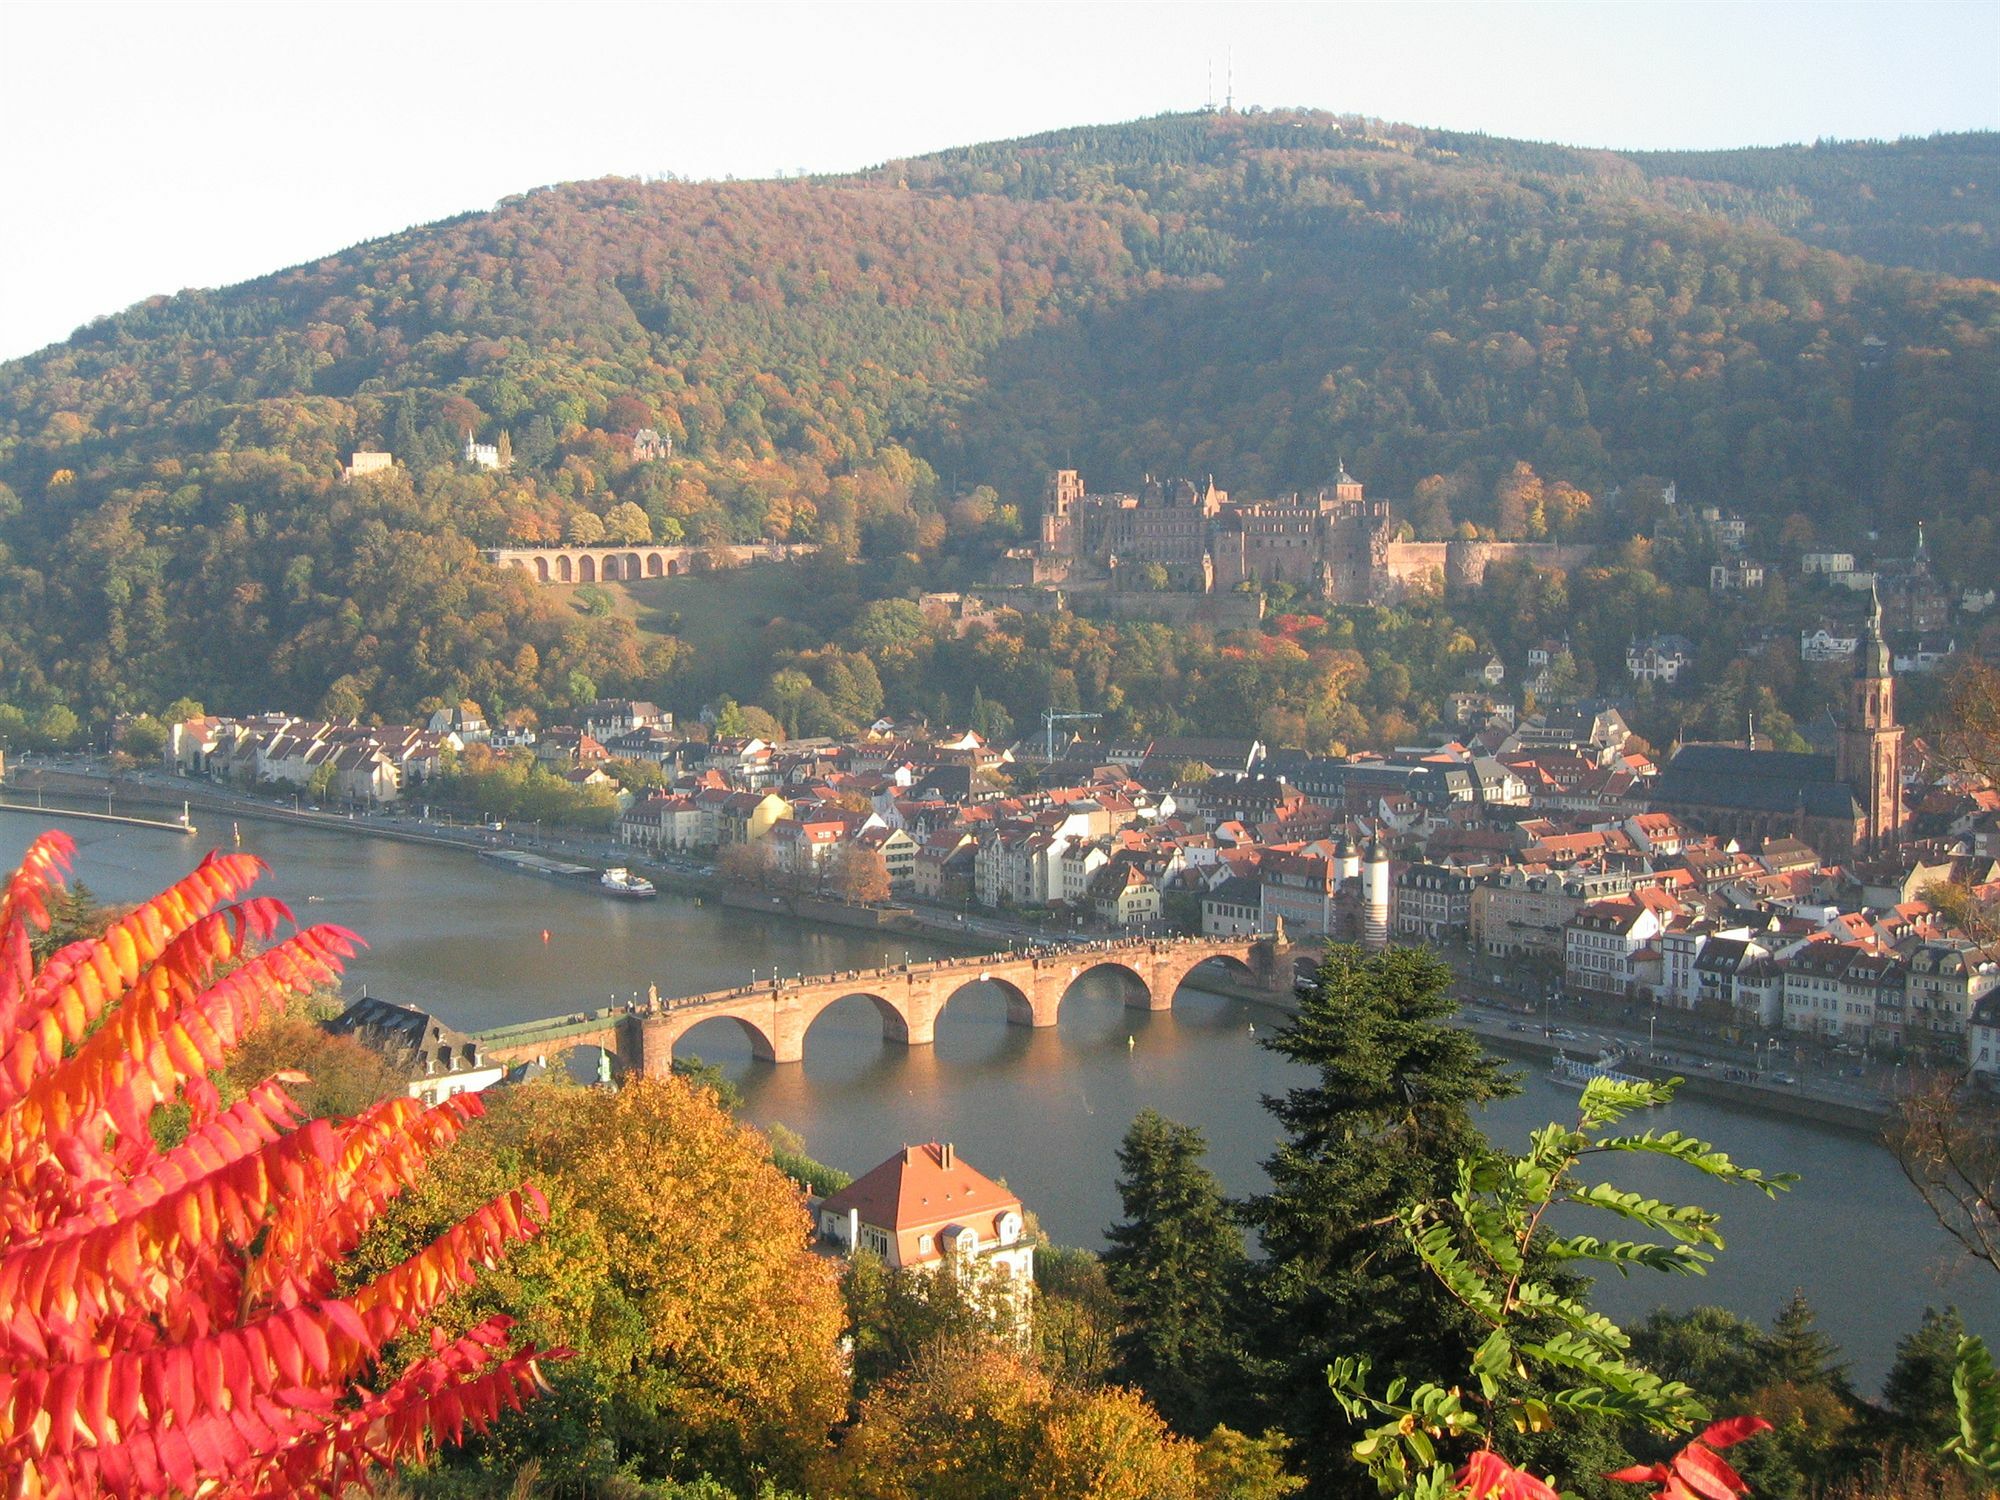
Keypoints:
(1064, 493)
(1869, 757)
(1375, 897)
(1345, 485)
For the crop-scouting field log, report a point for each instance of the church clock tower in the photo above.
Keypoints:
(1870, 755)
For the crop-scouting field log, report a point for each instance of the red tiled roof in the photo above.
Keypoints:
(921, 1189)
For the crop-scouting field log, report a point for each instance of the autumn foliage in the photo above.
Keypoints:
(1698, 1472)
(171, 1318)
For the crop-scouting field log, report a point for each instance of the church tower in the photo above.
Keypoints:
(1870, 754)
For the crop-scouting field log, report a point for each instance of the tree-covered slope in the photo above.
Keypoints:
(846, 361)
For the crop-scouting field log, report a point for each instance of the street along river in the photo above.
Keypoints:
(1043, 1109)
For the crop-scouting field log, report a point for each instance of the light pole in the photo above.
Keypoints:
(1650, 1021)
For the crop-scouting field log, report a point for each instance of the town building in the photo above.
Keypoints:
(1659, 658)
(366, 462)
(483, 455)
(1943, 983)
(1607, 946)
(1233, 909)
(438, 1061)
(1432, 902)
(1734, 576)
(924, 1206)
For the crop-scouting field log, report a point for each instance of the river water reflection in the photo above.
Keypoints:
(1043, 1109)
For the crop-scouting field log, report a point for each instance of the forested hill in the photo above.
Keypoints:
(856, 362)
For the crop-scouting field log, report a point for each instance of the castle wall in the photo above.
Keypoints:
(1409, 563)
(1230, 611)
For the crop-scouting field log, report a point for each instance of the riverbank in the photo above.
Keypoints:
(1788, 1102)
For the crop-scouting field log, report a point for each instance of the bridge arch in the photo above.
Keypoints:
(633, 567)
(1133, 989)
(761, 1045)
(541, 570)
(1020, 1004)
(586, 569)
(655, 565)
(1236, 967)
(895, 1025)
(565, 569)
(614, 567)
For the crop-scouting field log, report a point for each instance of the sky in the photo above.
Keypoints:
(151, 147)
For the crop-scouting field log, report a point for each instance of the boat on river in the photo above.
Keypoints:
(621, 882)
(1577, 1072)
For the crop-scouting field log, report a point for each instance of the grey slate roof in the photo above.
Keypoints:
(1772, 781)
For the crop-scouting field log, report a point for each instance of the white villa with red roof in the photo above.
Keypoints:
(923, 1204)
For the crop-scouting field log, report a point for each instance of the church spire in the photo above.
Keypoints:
(1873, 661)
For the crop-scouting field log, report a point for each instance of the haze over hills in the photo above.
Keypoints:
(1798, 333)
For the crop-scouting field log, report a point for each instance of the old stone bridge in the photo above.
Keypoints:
(627, 563)
(908, 998)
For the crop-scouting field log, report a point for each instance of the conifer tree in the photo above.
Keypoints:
(1921, 1408)
(1796, 1352)
(1383, 1123)
(1175, 1263)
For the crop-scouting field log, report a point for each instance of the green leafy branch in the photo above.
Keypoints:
(1545, 1352)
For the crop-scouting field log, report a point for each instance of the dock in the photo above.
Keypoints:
(185, 825)
(538, 864)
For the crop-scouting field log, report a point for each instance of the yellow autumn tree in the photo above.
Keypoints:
(974, 1421)
(676, 1257)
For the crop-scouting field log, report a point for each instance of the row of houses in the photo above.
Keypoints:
(346, 761)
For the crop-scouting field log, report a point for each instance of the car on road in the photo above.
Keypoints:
(1517, 1026)
(1564, 1034)
(1789, 1080)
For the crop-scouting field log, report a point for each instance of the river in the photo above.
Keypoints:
(1043, 1109)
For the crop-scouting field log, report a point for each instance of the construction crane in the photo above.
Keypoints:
(1050, 718)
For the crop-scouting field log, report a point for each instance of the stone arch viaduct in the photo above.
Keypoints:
(908, 998)
(625, 563)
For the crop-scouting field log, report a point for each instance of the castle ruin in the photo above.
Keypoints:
(1334, 544)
